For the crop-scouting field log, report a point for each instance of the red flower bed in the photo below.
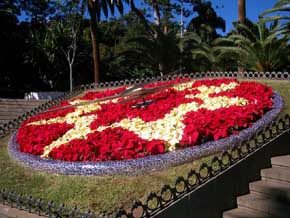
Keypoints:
(187, 114)
(32, 139)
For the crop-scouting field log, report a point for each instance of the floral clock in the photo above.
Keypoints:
(107, 132)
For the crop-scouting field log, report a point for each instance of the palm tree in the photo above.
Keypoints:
(207, 21)
(280, 6)
(242, 11)
(95, 8)
(159, 51)
(261, 49)
(215, 55)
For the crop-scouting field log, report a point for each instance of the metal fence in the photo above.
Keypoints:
(156, 202)
(168, 195)
(41, 207)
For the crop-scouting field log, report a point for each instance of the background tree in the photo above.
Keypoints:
(114, 36)
(17, 73)
(281, 6)
(9, 36)
(51, 41)
(203, 55)
(207, 21)
(64, 32)
(160, 52)
(38, 10)
(261, 49)
(242, 11)
(95, 8)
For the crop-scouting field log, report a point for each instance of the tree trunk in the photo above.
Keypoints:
(242, 19)
(94, 38)
(166, 17)
(156, 12)
(242, 11)
(70, 78)
(142, 18)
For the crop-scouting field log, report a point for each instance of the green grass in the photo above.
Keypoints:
(98, 193)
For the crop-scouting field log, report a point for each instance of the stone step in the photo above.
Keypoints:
(8, 117)
(276, 173)
(14, 113)
(265, 205)
(16, 109)
(273, 189)
(21, 101)
(242, 212)
(21, 104)
(9, 106)
(281, 161)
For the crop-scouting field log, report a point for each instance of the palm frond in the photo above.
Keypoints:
(275, 18)
(250, 33)
(276, 9)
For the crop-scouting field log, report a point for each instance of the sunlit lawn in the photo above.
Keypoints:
(97, 193)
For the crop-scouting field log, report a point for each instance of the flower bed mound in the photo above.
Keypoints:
(181, 114)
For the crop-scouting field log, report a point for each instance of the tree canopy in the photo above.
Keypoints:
(58, 45)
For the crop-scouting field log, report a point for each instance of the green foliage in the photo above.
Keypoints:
(55, 40)
(207, 21)
(160, 52)
(17, 74)
(38, 10)
(114, 35)
(208, 56)
(9, 7)
(280, 6)
(261, 49)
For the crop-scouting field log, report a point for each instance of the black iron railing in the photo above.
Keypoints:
(41, 207)
(168, 195)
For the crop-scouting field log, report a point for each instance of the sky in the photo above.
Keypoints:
(253, 9)
(229, 11)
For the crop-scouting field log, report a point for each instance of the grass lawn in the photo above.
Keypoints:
(98, 193)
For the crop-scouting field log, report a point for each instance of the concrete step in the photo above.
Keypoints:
(14, 113)
(15, 106)
(16, 110)
(276, 173)
(8, 117)
(273, 189)
(265, 205)
(281, 161)
(243, 213)
(27, 102)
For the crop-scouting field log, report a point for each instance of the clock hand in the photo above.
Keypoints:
(133, 89)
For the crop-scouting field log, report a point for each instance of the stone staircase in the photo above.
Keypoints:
(269, 197)
(11, 109)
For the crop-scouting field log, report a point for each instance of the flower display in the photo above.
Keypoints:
(184, 113)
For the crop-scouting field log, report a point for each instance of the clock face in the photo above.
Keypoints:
(154, 119)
